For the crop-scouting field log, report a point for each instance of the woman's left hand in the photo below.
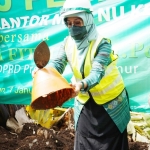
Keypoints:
(76, 87)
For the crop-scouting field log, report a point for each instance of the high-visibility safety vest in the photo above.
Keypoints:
(110, 86)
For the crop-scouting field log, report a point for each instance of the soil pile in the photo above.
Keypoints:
(35, 137)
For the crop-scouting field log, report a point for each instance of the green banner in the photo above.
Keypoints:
(24, 24)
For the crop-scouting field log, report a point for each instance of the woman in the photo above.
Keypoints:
(101, 105)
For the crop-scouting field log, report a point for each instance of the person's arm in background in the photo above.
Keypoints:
(59, 59)
(100, 62)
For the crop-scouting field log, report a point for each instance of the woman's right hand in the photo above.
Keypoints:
(34, 71)
(76, 87)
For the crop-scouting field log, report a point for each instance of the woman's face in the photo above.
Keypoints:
(74, 21)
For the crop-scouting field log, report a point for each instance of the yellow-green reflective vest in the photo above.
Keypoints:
(110, 86)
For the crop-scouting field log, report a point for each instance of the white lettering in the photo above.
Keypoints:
(104, 13)
(15, 22)
(57, 20)
(17, 68)
(44, 20)
(10, 68)
(25, 20)
(128, 69)
(34, 20)
(28, 68)
(4, 23)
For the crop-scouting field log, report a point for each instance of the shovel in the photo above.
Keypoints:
(41, 55)
(50, 89)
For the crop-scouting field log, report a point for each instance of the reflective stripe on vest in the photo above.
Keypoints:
(110, 86)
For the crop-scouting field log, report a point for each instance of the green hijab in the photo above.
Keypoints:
(83, 45)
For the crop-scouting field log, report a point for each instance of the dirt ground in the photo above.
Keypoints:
(35, 137)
